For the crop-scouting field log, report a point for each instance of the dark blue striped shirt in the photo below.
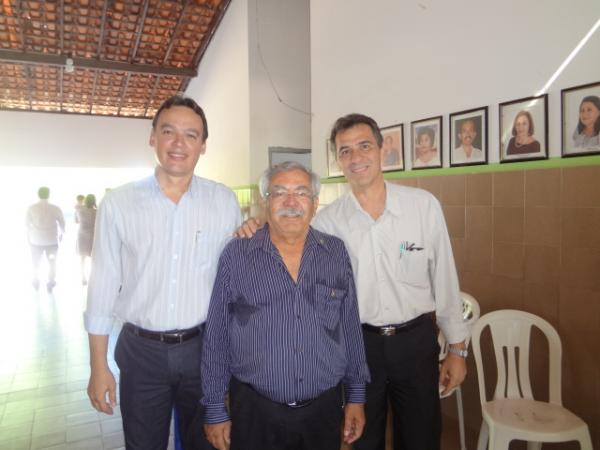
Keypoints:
(289, 341)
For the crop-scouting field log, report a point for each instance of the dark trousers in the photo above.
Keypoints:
(154, 378)
(37, 251)
(261, 424)
(404, 371)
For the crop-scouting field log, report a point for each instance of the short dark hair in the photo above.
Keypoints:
(594, 100)
(351, 120)
(428, 131)
(529, 118)
(44, 193)
(179, 100)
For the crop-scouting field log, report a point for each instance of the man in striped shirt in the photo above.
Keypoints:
(154, 262)
(283, 331)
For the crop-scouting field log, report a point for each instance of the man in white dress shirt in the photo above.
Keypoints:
(404, 269)
(45, 226)
(154, 262)
(466, 152)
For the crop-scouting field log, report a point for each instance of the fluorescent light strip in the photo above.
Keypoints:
(569, 58)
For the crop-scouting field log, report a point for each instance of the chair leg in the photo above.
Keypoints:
(534, 445)
(585, 441)
(461, 419)
(484, 434)
(498, 441)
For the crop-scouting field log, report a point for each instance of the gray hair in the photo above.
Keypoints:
(287, 166)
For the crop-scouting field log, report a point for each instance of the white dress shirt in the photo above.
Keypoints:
(460, 155)
(154, 262)
(44, 223)
(402, 262)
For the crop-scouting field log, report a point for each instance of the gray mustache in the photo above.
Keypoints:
(289, 212)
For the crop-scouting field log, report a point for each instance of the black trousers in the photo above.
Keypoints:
(404, 371)
(258, 423)
(155, 377)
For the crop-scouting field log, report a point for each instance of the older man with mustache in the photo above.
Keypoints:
(283, 333)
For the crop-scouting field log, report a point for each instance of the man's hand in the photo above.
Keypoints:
(219, 434)
(248, 228)
(452, 372)
(102, 382)
(354, 421)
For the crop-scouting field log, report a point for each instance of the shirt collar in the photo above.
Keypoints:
(262, 240)
(193, 188)
(355, 212)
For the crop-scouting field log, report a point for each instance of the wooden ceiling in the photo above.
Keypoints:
(102, 57)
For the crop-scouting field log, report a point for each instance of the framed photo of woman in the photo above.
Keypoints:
(524, 129)
(393, 148)
(580, 118)
(469, 137)
(426, 143)
(333, 169)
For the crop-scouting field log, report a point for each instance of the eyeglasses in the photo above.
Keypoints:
(281, 194)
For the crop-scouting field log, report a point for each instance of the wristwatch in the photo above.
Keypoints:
(462, 352)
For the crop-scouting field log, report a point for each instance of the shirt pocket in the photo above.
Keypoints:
(329, 302)
(412, 268)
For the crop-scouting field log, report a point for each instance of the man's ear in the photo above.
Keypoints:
(203, 148)
(152, 140)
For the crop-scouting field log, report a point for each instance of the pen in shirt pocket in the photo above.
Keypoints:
(197, 236)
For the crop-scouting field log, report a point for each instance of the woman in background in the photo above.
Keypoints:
(425, 153)
(522, 141)
(86, 218)
(587, 133)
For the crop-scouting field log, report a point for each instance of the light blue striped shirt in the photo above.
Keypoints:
(291, 341)
(154, 262)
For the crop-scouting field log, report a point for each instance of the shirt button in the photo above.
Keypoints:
(173, 281)
(333, 293)
(175, 256)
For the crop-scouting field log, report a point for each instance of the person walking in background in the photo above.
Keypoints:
(45, 224)
(86, 218)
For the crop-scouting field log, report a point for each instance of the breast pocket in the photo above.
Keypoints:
(329, 302)
(412, 267)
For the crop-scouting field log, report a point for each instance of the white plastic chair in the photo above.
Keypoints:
(514, 413)
(471, 313)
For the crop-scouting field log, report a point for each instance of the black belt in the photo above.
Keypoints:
(392, 330)
(168, 337)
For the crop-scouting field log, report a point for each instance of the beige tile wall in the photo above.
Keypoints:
(530, 240)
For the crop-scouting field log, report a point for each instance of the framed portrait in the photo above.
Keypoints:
(580, 118)
(524, 129)
(469, 137)
(333, 169)
(393, 148)
(426, 143)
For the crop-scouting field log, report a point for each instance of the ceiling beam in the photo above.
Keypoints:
(84, 63)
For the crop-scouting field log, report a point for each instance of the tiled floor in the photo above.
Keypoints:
(44, 366)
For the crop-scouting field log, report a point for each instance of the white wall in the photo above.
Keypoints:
(405, 61)
(279, 48)
(61, 140)
(222, 89)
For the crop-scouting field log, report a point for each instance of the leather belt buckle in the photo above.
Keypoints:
(387, 331)
(299, 404)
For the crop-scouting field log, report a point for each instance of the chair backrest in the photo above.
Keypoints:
(511, 331)
(471, 313)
